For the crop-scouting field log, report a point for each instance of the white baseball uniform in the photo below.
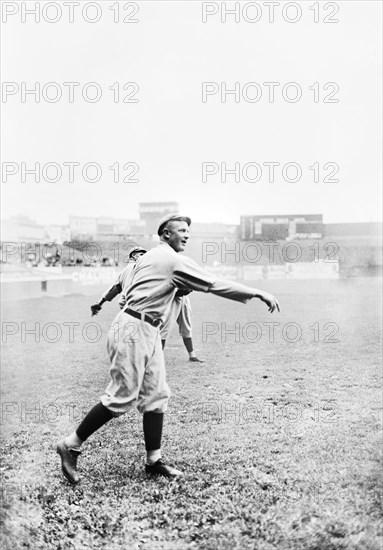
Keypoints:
(134, 346)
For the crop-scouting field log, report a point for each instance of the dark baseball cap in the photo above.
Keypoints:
(171, 218)
(135, 250)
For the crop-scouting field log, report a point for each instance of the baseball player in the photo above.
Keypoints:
(121, 282)
(179, 312)
(137, 372)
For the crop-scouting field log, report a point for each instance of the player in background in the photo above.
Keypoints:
(121, 282)
(179, 312)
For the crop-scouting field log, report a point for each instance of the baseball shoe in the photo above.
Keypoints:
(196, 360)
(68, 461)
(162, 469)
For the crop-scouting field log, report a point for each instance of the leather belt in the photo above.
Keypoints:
(143, 317)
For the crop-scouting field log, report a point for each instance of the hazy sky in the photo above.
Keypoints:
(170, 132)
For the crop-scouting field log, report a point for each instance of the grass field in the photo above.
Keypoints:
(279, 439)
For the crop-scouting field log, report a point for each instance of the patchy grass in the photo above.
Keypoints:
(279, 441)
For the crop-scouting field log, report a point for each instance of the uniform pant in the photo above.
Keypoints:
(137, 367)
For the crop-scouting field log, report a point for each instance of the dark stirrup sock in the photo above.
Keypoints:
(188, 344)
(96, 417)
(163, 342)
(153, 423)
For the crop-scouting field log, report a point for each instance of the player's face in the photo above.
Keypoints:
(177, 234)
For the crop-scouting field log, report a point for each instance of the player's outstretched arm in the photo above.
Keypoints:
(189, 274)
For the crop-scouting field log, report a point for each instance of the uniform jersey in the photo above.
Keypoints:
(162, 270)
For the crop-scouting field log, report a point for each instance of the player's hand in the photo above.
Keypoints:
(95, 309)
(269, 300)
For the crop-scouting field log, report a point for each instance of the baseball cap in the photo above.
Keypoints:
(171, 218)
(135, 250)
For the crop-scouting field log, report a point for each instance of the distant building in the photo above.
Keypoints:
(351, 230)
(118, 228)
(58, 234)
(82, 227)
(206, 230)
(104, 229)
(22, 229)
(152, 212)
(281, 227)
